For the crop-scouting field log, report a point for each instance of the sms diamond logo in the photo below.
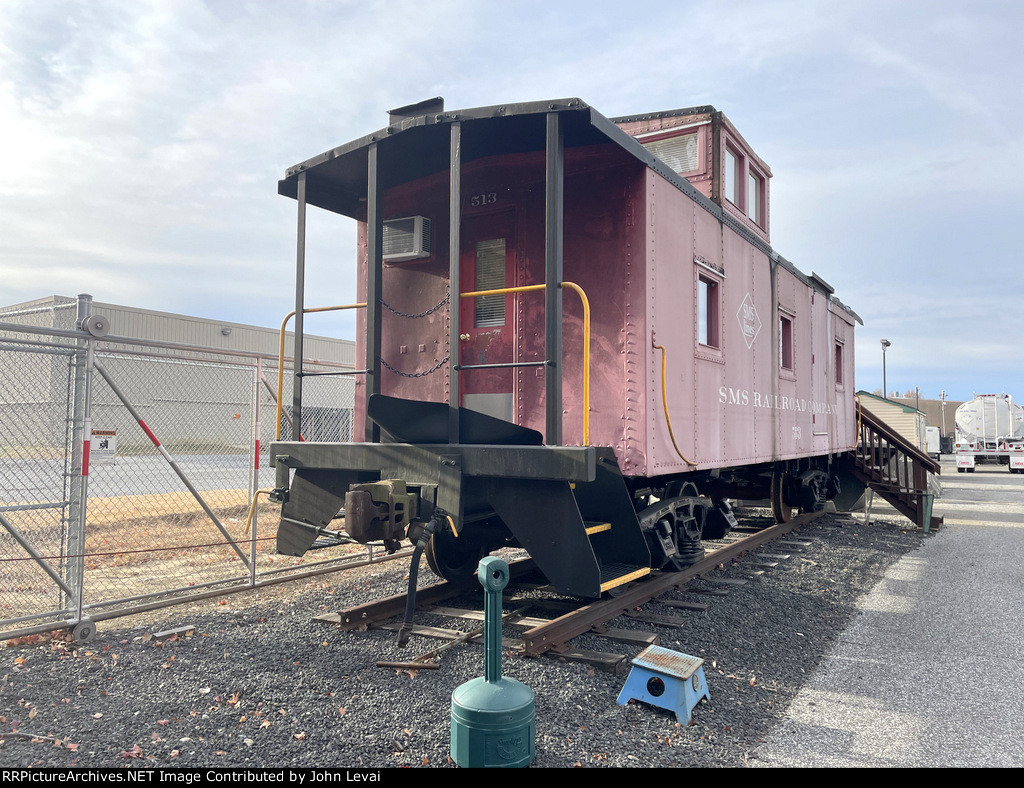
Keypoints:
(750, 323)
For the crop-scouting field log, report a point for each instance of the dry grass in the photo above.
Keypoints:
(147, 544)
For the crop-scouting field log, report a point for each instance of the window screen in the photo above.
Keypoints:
(490, 275)
(679, 153)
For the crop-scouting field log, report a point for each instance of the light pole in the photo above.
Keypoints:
(885, 391)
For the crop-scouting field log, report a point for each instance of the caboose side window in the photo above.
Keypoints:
(490, 275)
(733, 170)
(755, 198)
(707, 312)
(839, 364)
(786, 342)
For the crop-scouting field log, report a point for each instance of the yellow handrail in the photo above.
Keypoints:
(586, 336)
(500, 291)
(280, 357)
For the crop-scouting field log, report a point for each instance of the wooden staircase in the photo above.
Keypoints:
(895, 469)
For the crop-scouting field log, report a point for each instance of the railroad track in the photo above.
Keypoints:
(552, 635)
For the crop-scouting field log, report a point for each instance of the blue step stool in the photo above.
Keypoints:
(666, 679)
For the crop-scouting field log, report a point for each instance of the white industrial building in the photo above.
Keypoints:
(200, 400)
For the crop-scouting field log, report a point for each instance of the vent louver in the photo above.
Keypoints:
(406, 239)
(679, 153)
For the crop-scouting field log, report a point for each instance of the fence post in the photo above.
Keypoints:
(255, 468)
(78, 487)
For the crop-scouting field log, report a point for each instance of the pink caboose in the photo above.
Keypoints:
(577, 339)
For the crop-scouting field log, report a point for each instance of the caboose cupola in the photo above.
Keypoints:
(702, 145)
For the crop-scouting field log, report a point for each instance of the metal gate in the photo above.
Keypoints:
(128, 471)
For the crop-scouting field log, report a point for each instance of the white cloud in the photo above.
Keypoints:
(144, 139)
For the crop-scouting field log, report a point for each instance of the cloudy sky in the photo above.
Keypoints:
(142, 141)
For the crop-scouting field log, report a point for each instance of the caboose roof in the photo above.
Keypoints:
(416, 143)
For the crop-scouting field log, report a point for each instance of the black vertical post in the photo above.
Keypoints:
(300, 287)
(553, 188)
(374, 271)
(454, 278)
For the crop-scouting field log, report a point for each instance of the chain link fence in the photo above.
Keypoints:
(127, 472)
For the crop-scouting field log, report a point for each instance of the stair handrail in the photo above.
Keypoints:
(867, 418)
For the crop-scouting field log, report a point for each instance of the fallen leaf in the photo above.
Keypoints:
(300, 736)
(97, 715)
(163, 722)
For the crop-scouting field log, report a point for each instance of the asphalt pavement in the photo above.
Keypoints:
(931, 671)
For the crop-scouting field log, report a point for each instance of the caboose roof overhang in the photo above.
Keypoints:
(417, 143)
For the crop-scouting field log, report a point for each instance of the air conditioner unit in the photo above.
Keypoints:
(406, 239)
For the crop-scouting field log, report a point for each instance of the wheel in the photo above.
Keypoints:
(453, 558)
(780, 511)
(960, 470)
(83, 631)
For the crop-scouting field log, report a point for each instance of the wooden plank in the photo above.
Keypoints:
(511, 644)
(728, 581)
(709, 591)
(683, 605)
(775, 556)
(654, 618)
(628, 636)
(613, 663)
(795, 543)
(478, 615)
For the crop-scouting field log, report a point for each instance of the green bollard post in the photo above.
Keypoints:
(493, 719)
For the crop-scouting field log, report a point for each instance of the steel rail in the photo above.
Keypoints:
(557, 632)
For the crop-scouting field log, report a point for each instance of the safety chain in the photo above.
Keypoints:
(434, 368)
(421, 314)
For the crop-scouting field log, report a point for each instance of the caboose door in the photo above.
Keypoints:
(487, 323)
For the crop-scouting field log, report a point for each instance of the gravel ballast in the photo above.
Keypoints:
(260, 684)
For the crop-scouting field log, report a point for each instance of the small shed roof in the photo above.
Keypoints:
(900, 405)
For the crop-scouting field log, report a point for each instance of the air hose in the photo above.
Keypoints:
(664, 402)
(410, 598)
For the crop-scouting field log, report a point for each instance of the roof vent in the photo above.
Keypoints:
(406, 239)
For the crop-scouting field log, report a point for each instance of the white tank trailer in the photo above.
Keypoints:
(990, 428)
